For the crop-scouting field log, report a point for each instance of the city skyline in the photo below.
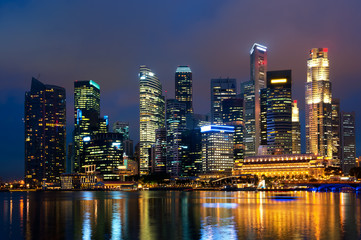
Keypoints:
(115, 102)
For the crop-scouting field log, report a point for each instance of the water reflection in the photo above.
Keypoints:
(178, 215)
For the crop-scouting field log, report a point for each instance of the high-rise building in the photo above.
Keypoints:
(336, 145)
(123, 128)
(232, 110)
(192, 152)
(45, 133)
(263, 117)
(151, 109)
(348, 141)
(86, 117)
(183, 87)
(251, 91)
(279, 112)
(318, 104)
(176, 124)
(103, 153)
(160, 159)
(217, 149)
(296, 129)
(221, 88)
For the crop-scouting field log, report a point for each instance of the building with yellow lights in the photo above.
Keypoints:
(292, 165)
(318, 104)
(45, 125)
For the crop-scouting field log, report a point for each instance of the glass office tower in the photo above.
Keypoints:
(279, 112)
(221, 88)
(45, 134)
(251, 91)
(151, 111)
(348, 141)
(318, 104)
(86, 117)
(296, 129)
(217, 149)
(183, 87)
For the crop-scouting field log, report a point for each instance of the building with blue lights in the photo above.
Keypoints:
(217, 149)
(103, 155)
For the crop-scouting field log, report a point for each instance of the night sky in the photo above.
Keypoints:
(106, 41)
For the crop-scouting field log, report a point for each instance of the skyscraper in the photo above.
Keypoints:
(86, 116)
(221, 88)
(217, 149)
(123, 128)
(45, 133)
(251, 94)
(176, 124)
(183, 87)
(296, 129)
(318, 104)
(151, 111)
(192, 152)
(160, 159)
(336, 145)
(279, 112)
(348, 141)
(103, 152)
(233, 116)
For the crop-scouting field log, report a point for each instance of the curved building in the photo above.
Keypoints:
(151, 114)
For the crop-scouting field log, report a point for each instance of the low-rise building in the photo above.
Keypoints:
(290, 165)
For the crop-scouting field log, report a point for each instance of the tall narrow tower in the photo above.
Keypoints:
(251, 94)
(183, 87)
(86, 117)
(151, 110)
(318, 104)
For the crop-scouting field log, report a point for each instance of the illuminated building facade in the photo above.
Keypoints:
(279, 112)
(183, 87)
(221, 88)
(318, 104)
(45, 133)
(192, 152)
(151, 109)
(336, 145)
(296, 129)
(176, 124)
(232, 110)
(348, 141)
(104, 153)
(287, 166)
(251, 93)
(86, 117)
(123, 128)
(217, 149)
(263, 117)
(160, 159)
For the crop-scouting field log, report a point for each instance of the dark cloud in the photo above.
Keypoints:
(107, 41)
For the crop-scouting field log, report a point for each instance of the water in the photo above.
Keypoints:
(179, 215)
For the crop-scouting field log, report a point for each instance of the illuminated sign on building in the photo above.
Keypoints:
(281, 80)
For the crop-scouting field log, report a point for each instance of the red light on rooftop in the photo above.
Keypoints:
(294, 101)
(325, 50)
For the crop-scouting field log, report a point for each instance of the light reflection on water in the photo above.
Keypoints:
(179, 215)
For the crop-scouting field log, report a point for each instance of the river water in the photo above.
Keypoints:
(179, 215)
